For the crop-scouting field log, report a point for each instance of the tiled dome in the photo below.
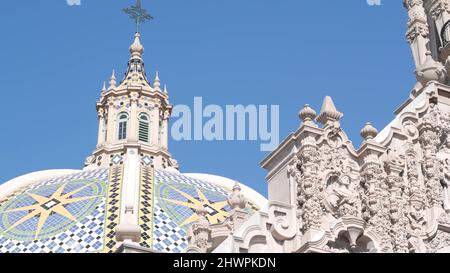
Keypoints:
(80, 212)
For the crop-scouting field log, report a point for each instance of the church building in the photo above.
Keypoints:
(390, 195)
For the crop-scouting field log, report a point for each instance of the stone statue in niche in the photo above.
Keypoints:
(444, 172)
(342, 196)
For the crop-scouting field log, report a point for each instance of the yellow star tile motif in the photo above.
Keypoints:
(45, 206)
(216, 212)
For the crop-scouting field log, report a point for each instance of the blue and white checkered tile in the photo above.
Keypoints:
(84, 236)
(101, 174)
(164, 177)
(167, 236)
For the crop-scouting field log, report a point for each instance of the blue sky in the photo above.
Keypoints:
(54, 59)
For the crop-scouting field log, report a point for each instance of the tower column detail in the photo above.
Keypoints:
(418, 30)
(101, 127)
(111, 118)
(134, 97)
(155, 118)
(164, 130)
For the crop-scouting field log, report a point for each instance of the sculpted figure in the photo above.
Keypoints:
(417, 218)
(444, 173)
(342, 196)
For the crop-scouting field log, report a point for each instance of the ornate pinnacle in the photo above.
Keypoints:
(104, 87)
(157, 82)
(112, 82)
(329, 112)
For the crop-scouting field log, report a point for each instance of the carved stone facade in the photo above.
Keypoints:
(390, 195)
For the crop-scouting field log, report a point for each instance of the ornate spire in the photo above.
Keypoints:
(112, 82)
(104, 87)
(157, 82)
(135, 75)
(165, 89)
(328, 112)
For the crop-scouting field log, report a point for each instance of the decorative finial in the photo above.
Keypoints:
(138, 14)
(199, 233)
(165, 89)
(369, 132)
(136, 49)
(237, 199)
(328, 112)
(104, 87)
(307, 115)
(157, 82)
(112, 82)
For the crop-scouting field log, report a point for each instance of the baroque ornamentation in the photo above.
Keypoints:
(438, 7)
(304, 170)
(430, 140)
(444, 173)
(439, 242)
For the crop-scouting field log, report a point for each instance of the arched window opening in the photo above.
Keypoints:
(160, 132)
(122, 126)
(144, 128)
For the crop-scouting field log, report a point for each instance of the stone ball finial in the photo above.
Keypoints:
(136, 49)
(307, 114)
(369, 132)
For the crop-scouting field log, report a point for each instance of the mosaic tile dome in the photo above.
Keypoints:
(79, 212)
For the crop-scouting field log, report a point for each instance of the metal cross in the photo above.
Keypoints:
(138, 14)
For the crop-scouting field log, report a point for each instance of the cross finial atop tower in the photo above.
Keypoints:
(138, 14)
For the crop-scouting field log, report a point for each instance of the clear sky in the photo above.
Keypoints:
(55, 57)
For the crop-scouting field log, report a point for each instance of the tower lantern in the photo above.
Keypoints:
(133, 113)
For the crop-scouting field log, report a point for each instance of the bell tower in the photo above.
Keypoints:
(133, 115)
(429, 36)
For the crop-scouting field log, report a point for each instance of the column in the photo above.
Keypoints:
(154, 123)
(418, 31)
(128, 229)
(111, 120)
(101, 127)
(165, 130)
(134, 97)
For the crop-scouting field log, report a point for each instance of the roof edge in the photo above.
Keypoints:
(31, 178)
